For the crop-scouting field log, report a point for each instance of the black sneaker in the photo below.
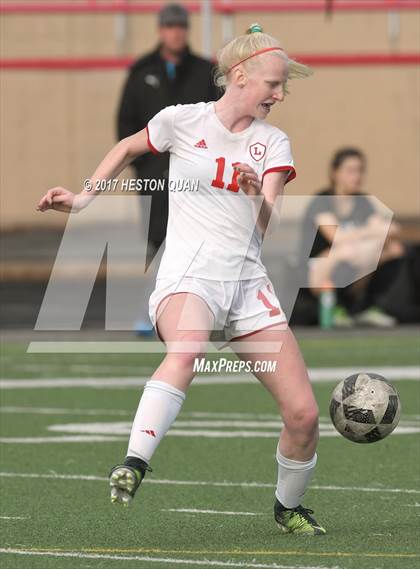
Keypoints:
(124, 479)
(296, 520)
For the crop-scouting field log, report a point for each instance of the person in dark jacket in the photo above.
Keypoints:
(169, 75)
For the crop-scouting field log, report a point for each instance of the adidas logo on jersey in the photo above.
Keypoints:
(201, 144)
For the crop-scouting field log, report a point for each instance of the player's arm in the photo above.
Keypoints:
(270, 189)
(120, 156)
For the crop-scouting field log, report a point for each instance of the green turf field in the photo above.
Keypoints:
(208, 502)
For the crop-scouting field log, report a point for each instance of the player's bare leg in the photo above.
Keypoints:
(184, 322)
(290, 387)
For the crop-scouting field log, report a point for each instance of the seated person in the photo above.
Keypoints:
(356, 246)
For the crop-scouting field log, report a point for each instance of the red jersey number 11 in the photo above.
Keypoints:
(218, 180)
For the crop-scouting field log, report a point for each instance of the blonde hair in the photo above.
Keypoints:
(245, 46)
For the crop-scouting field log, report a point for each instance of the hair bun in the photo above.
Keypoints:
(253, 28)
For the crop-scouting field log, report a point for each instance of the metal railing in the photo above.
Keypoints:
(227, 8)
(218, 6)
(110, 63)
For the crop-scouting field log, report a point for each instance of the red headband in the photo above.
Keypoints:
(253, 55)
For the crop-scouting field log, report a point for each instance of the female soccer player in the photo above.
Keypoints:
(211, 276)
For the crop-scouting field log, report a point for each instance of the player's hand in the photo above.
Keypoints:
(248, 179)
(57, 198)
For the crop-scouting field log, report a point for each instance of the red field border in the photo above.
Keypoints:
(98, 63)
(121, 6)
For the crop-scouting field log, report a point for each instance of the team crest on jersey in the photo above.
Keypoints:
(257, 151)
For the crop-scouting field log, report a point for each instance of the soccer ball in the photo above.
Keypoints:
(365, 408)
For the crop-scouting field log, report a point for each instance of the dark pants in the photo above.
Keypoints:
(380, 281)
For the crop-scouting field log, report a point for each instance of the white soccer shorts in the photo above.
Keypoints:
(240, 308)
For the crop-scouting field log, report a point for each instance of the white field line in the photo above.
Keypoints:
(228, 415)
(208, 434)
(176, 433)
(93, 478)
(79, 368)
(14, 517)
(194, 511)
(137, 347)
(133, 371)
(124, 427)
(64, 411)
(169, 560)
(317, 375)
(406, 420)
(60, 439)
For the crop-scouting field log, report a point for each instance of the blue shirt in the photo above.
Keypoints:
(170, 70)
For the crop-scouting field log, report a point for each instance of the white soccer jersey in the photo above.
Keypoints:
(212, 231)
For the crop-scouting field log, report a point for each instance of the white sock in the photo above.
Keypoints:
(158, 408)
(293, 479)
